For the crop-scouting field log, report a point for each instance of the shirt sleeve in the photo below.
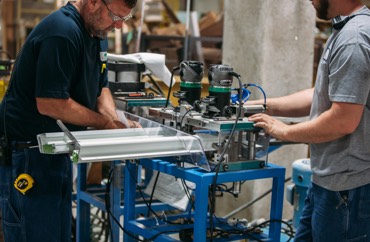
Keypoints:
(349, 74)
(56, 65)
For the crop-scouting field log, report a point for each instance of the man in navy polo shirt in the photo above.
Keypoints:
(59, 74)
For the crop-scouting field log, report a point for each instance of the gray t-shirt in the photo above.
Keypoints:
(344, 76)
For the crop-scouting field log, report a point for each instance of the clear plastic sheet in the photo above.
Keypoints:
(152, 140)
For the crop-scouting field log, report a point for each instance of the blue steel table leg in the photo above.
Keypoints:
(129, 197)
(276, 211)
(115, 200)
(201, 209)
(83, 208)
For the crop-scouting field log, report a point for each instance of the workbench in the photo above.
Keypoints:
(153, 229)
(165, 150)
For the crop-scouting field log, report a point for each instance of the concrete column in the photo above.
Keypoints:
(269, 43)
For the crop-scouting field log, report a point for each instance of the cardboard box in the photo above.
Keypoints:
(207, 20)
(173, 30)
(211, 25)
(216, 29)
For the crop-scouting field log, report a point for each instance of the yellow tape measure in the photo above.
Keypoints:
(23, 183)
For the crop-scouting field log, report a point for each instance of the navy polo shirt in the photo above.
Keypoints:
(59, 59)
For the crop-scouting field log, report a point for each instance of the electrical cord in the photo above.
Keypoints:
(253, 201)
(215, 187)
(188, 194)
(222, 188)
(217, 168)
(182, 119)
(234, 230)
(186, 189)
(153, 212)
(250, 230)
(261, 89)
(291, 231)
(152, 193)
(132, 176)
(107, 207)
(268, 222)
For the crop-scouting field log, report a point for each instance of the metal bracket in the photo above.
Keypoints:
(73, 144)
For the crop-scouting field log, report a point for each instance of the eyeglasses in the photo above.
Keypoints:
(114, 17)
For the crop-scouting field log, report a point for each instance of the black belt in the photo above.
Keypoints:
(21, 145)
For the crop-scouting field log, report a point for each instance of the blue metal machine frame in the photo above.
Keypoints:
(160, 232)
(87, 196)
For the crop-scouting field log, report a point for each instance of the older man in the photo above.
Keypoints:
(59, 74)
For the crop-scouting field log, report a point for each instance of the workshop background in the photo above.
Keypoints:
(276, 44)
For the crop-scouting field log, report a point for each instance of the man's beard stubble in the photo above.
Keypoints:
(322, 10)
(92, 23)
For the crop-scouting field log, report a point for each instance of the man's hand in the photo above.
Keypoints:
(133, 124)
(114, 124)
(272, 126)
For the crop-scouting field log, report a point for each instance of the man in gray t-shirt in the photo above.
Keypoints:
(344, 77)
(338, 203)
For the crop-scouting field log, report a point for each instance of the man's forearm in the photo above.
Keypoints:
(106, 105)
(340, 120)
(69, 111)
(294, 105)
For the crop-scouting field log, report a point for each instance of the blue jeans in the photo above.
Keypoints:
(335, 216)
(44, 213)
